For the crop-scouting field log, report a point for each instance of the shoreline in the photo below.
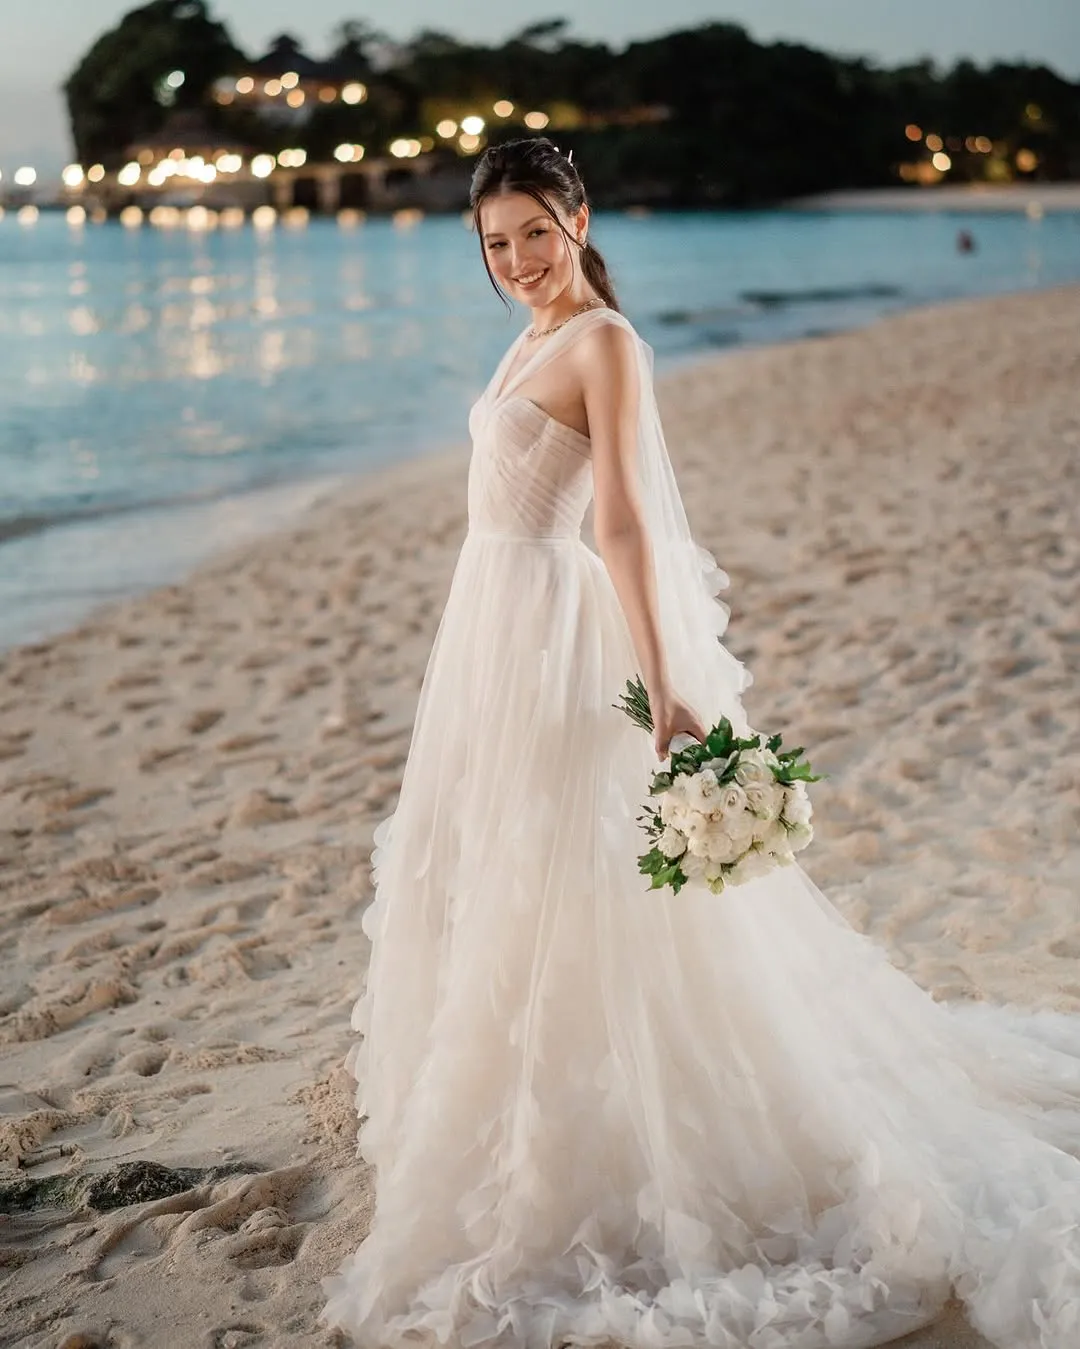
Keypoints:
(190, 780)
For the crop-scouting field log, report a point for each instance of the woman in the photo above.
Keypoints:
(603, 1115)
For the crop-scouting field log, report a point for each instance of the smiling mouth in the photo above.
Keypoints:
(531, 279)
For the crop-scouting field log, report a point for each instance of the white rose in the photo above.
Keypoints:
(775, 839)
(765, 799)
(720, 846)
(734, 815)
(696, 830)
(752, 769)
(797, 808)
(730, 800)
(671, 843)
(693, 867)
(702, 790)
(798, 836)
(752, 866)
(670, 808)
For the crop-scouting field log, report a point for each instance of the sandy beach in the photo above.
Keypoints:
(1034, 199)
(189, 782)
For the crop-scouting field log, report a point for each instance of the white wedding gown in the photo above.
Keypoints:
(600, 1114)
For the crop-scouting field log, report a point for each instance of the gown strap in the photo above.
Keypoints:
(552, 348)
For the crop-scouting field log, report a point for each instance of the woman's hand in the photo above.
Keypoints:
(670, 716)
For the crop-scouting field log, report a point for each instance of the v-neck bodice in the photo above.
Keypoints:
(530, 476)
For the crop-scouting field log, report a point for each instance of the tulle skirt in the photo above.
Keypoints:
(600, 1114)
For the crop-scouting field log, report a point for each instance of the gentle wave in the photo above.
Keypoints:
(20, 526)
(751, 301)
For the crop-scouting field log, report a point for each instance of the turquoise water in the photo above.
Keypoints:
(167, 392)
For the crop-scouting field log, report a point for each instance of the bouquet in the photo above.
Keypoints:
(730, 809)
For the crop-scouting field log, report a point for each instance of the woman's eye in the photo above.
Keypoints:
(539, 229)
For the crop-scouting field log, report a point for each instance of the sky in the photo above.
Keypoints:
(43, 40)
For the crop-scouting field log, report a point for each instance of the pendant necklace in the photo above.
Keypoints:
(534, 333)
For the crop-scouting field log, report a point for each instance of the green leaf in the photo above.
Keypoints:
(671, 874)
(652, 862)
(719, 740)
(801, 773)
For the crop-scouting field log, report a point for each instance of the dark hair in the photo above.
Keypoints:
(536, 167)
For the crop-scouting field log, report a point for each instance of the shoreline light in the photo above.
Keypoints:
(503, 108)
(165, 217)
(75, 216)
(199, 218)
(25, 176)
(245, 84)
(129, 175)
(290, 80)
(73, 175)
(536, 121)
(472, 126)
(95, 173)
(942, 162)
(175, 79)
(354, 92)
(447, 128)
(262, 166)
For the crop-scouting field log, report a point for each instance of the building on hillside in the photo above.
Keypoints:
(286, 85)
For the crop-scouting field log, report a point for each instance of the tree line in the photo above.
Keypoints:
(705, 116)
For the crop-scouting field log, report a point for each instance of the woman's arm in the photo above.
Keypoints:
(608, 362)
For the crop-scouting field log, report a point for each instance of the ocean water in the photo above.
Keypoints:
(165, 393)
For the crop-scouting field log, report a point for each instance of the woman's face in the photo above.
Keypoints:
(528, 254)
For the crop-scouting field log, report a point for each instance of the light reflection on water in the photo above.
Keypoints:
(145, 366)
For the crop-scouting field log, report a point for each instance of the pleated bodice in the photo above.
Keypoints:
(530, 476)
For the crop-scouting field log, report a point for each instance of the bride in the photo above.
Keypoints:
(600, 1115)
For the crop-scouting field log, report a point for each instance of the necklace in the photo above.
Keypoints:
(534, 333)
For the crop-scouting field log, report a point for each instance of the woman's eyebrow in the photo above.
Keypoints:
(525, 225)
